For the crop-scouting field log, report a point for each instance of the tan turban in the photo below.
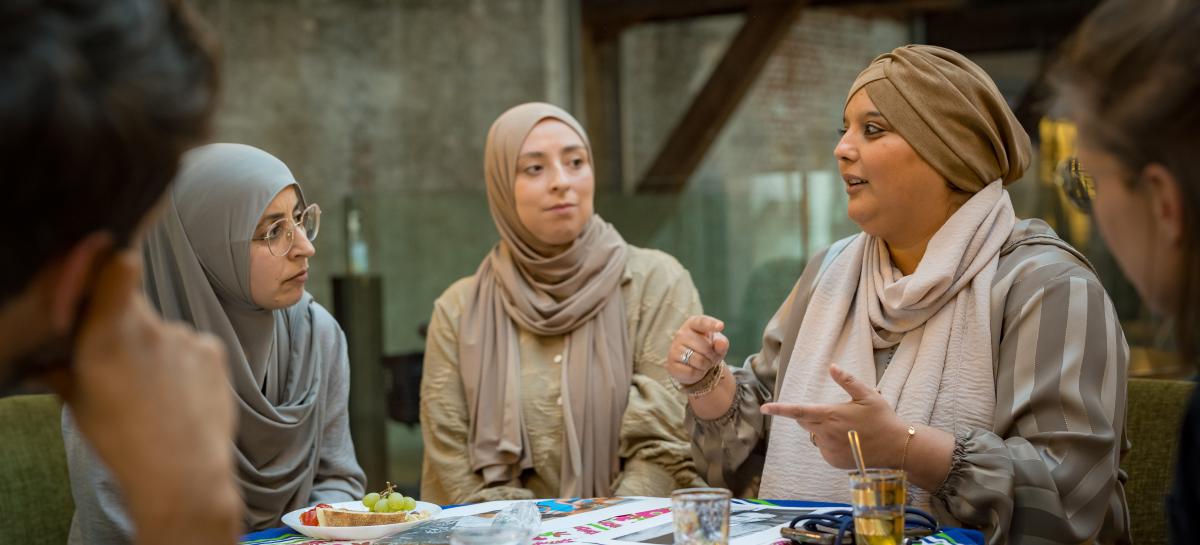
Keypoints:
(573, 291)
(951, 113)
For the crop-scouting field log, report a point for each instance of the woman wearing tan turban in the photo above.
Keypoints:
(544, 371)
(976, 351)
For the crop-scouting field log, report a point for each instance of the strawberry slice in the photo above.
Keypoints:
(309, 518)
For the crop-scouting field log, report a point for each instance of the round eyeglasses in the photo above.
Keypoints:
(1076, 184)
(280, 235)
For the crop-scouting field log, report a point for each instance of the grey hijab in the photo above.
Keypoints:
(198, 271)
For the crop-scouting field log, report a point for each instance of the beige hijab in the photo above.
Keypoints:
(574, 290)
(951, 113)
(938, 318)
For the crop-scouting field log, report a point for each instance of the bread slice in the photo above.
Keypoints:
(332, 516)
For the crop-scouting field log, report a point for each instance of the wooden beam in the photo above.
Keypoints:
(610, 17)
(1006, 26)
(766, 24)
(602, 105)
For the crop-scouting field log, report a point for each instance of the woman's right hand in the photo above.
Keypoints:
(702, 336)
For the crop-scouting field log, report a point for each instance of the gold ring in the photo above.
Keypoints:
(813, 437)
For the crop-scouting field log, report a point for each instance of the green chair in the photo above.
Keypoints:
(35, 492)
(1155, 409)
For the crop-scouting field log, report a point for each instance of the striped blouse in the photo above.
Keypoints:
(1047, 471)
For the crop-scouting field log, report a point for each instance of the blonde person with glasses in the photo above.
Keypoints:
(1129, 79)
(230, 256)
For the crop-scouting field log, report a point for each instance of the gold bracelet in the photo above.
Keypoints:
(691, 386)
(912, 430)
(712, 383)
(707, 383)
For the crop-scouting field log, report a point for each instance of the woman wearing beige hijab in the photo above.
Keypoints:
(976, 351)
(544, 371)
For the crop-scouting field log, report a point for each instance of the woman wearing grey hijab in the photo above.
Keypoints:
(230, 256)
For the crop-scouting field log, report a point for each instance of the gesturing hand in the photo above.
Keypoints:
(701, 341)
(879, 427)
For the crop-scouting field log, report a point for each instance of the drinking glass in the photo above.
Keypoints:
(701, 516)
(878, 499)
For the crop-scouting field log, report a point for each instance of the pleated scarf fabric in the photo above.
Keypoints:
(941, 372)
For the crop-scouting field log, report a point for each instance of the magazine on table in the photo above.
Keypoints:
(749, 524)
(605, 521)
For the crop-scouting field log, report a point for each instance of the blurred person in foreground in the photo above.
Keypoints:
(98, 101)
(1129, 78)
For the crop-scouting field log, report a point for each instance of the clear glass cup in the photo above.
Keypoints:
(490, 535)
(701, 516)
(878, 499)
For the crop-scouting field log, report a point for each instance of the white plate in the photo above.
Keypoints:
(355, 532)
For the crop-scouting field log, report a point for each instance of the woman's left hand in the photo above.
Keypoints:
(880, 430)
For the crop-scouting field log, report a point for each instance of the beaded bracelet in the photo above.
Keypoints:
(693, 386)
(707, 383)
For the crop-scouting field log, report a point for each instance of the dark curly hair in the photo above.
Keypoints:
(98, 100)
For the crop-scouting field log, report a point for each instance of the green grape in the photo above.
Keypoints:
(396, 502)
(409, 504)
(381, 506)
(369, 500)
